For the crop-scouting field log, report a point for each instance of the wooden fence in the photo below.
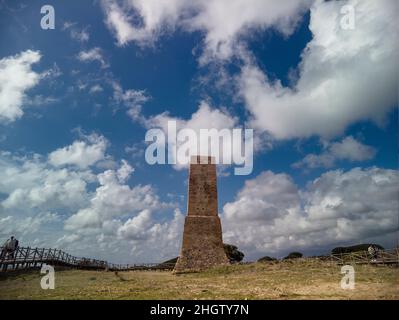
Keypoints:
(385, 257)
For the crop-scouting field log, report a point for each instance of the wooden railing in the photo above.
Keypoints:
(25, 258)
(390, 256)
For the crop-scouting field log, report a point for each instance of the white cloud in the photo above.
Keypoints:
(11, 225)
(348, 149)
(124, 172)
(94, 54)
(80, 35)
(43, 205)
(52, 73)
(205, 118)
(164, 241)
(227, 23)
(344, 76)
(29, 183)
(122, 221)
(155, 14)
(352, 150)
(271, 215)
(118, 22)
(224, 22)
(132, 99)
(82, 153)
(16, 77)
(113, 199)
(136, 228)
(39, 100)
(95, 89)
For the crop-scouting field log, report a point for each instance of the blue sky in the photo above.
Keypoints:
(322, 102)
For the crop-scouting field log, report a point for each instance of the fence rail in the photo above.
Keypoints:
(362, 257)
(25, 258)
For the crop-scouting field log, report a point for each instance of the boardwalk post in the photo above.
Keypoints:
(26, 257)
(15, 253)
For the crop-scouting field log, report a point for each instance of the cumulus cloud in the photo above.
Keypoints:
(228, 23)
(165, 236)
(116, 221)
(204, 117)
(29, 183)
(113, 198)
(344, 76)
(16, 77)
(11, 225)
(123, 219)
(132, 99)
(78, 34)
(95, 89)
(136, 228)
(94, 54)
(81, 153)
(348, 149)
(224, 22)
(120, 18)
(271, 215)
(207, 125)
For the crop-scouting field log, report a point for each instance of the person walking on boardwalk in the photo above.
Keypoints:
(9, 247)
(4, 249)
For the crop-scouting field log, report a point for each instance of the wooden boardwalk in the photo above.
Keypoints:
(26, 258)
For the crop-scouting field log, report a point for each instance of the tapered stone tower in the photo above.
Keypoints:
(202, 238)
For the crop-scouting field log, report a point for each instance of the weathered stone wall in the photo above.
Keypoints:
(202, 239)
(202, 190)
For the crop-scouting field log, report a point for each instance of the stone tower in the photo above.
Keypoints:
(202, 238)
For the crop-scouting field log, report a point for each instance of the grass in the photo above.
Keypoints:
(301, 279)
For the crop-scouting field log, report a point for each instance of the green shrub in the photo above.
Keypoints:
(293, 255)
(267, 259)
(232, 253)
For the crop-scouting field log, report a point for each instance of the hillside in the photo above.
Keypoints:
(299, 279)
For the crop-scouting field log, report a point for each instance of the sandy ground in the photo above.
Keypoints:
(302, 279)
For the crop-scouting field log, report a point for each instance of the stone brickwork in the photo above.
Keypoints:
(202, 238)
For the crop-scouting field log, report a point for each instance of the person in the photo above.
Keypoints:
(10, 246)
(372, 252)
(4, 249)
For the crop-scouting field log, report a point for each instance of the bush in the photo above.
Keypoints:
(267, 259)
(294, 255)
(232, 253)
(355, 248)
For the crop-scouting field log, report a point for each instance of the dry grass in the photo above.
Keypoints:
(302, 279)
